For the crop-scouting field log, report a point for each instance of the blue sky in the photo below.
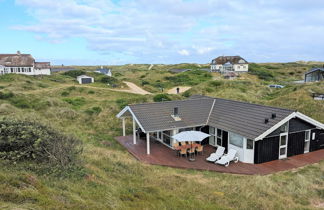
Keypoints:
(88, 32)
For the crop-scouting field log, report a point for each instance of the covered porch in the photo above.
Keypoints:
(164, 156)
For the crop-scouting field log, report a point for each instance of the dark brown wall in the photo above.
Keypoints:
(318, 143)
(296, 142)
(266, 150)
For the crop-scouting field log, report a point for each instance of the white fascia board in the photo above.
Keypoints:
(122, 112)
(310, 120)
(276, 126)
(127, 108)
(292, 115)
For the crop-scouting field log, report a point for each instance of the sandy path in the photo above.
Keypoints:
(182, 89)
(134, 89)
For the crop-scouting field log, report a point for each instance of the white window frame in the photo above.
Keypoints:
(283, 146)
(307, 141)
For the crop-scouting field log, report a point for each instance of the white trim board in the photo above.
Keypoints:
(127, 108)
(286, 119)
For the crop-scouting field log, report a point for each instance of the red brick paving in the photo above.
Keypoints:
(162, 155)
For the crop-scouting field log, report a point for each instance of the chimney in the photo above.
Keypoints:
(266, 120)
(176, 111)
(273, 115)
(18, 52)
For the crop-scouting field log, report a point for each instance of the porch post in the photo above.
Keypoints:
(124, 126)
(134, 131)
(148, 143)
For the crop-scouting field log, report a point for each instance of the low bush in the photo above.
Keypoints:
(77, 102)
(91, 92)
(261, 72)
(74, 73)
(94, 110)
(31, 141)
(65, 93)
(161, 97)
(109, 80)
(6, 95)
(215, 83)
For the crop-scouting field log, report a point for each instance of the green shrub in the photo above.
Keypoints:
(93, 110)
(144, 83)
(262, 73)
(109, 80)
(74, 73)
(77, 102)
(161, 97)
(21, 102)
(65, 93)
(215, 83)
(31, 141)
(6, 95)
(91, 92)
(71, 88)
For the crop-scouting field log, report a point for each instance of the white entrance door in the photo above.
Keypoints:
(283, 144)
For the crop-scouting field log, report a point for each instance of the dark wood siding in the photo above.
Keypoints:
(297, 124)
(296, 142)
(204, 129)
(225, 140)
(266, 150)
(318, 142)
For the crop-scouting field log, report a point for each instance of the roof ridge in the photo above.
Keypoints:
(172, 101)
(244, 102)
(210, 112)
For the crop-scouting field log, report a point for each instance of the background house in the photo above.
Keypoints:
(315, 75)
(84, 79)
(104, 71)
(229, 63)
(23, 64)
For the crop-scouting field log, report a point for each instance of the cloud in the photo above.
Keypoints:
(174, 31)
(184, 52)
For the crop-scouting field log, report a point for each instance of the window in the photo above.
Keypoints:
(284, 128)
(307, 135)
(249, 144)
(307, 141)
(236, 140)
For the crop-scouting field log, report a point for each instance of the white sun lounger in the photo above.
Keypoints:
(226, 159)
(216, 155)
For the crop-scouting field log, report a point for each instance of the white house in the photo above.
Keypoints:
(23, 64)
(229, 63)
(84, 79)
(104, 71)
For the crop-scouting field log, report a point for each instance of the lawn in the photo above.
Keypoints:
(110, 178)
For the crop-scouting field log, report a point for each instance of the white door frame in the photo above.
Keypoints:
(307, 141)
(283, 146)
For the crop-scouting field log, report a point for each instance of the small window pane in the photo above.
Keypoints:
(282, 151)
(219, 133)
(249, 144)
(284, 128)
(283, 140)
(219, 141)
(307, 135)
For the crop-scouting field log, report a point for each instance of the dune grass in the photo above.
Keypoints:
(111, 178)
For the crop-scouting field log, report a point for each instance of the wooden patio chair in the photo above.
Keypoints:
(192, 151)
(200, 149)
(183, 152)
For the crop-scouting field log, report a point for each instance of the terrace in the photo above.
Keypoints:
(164, 156)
